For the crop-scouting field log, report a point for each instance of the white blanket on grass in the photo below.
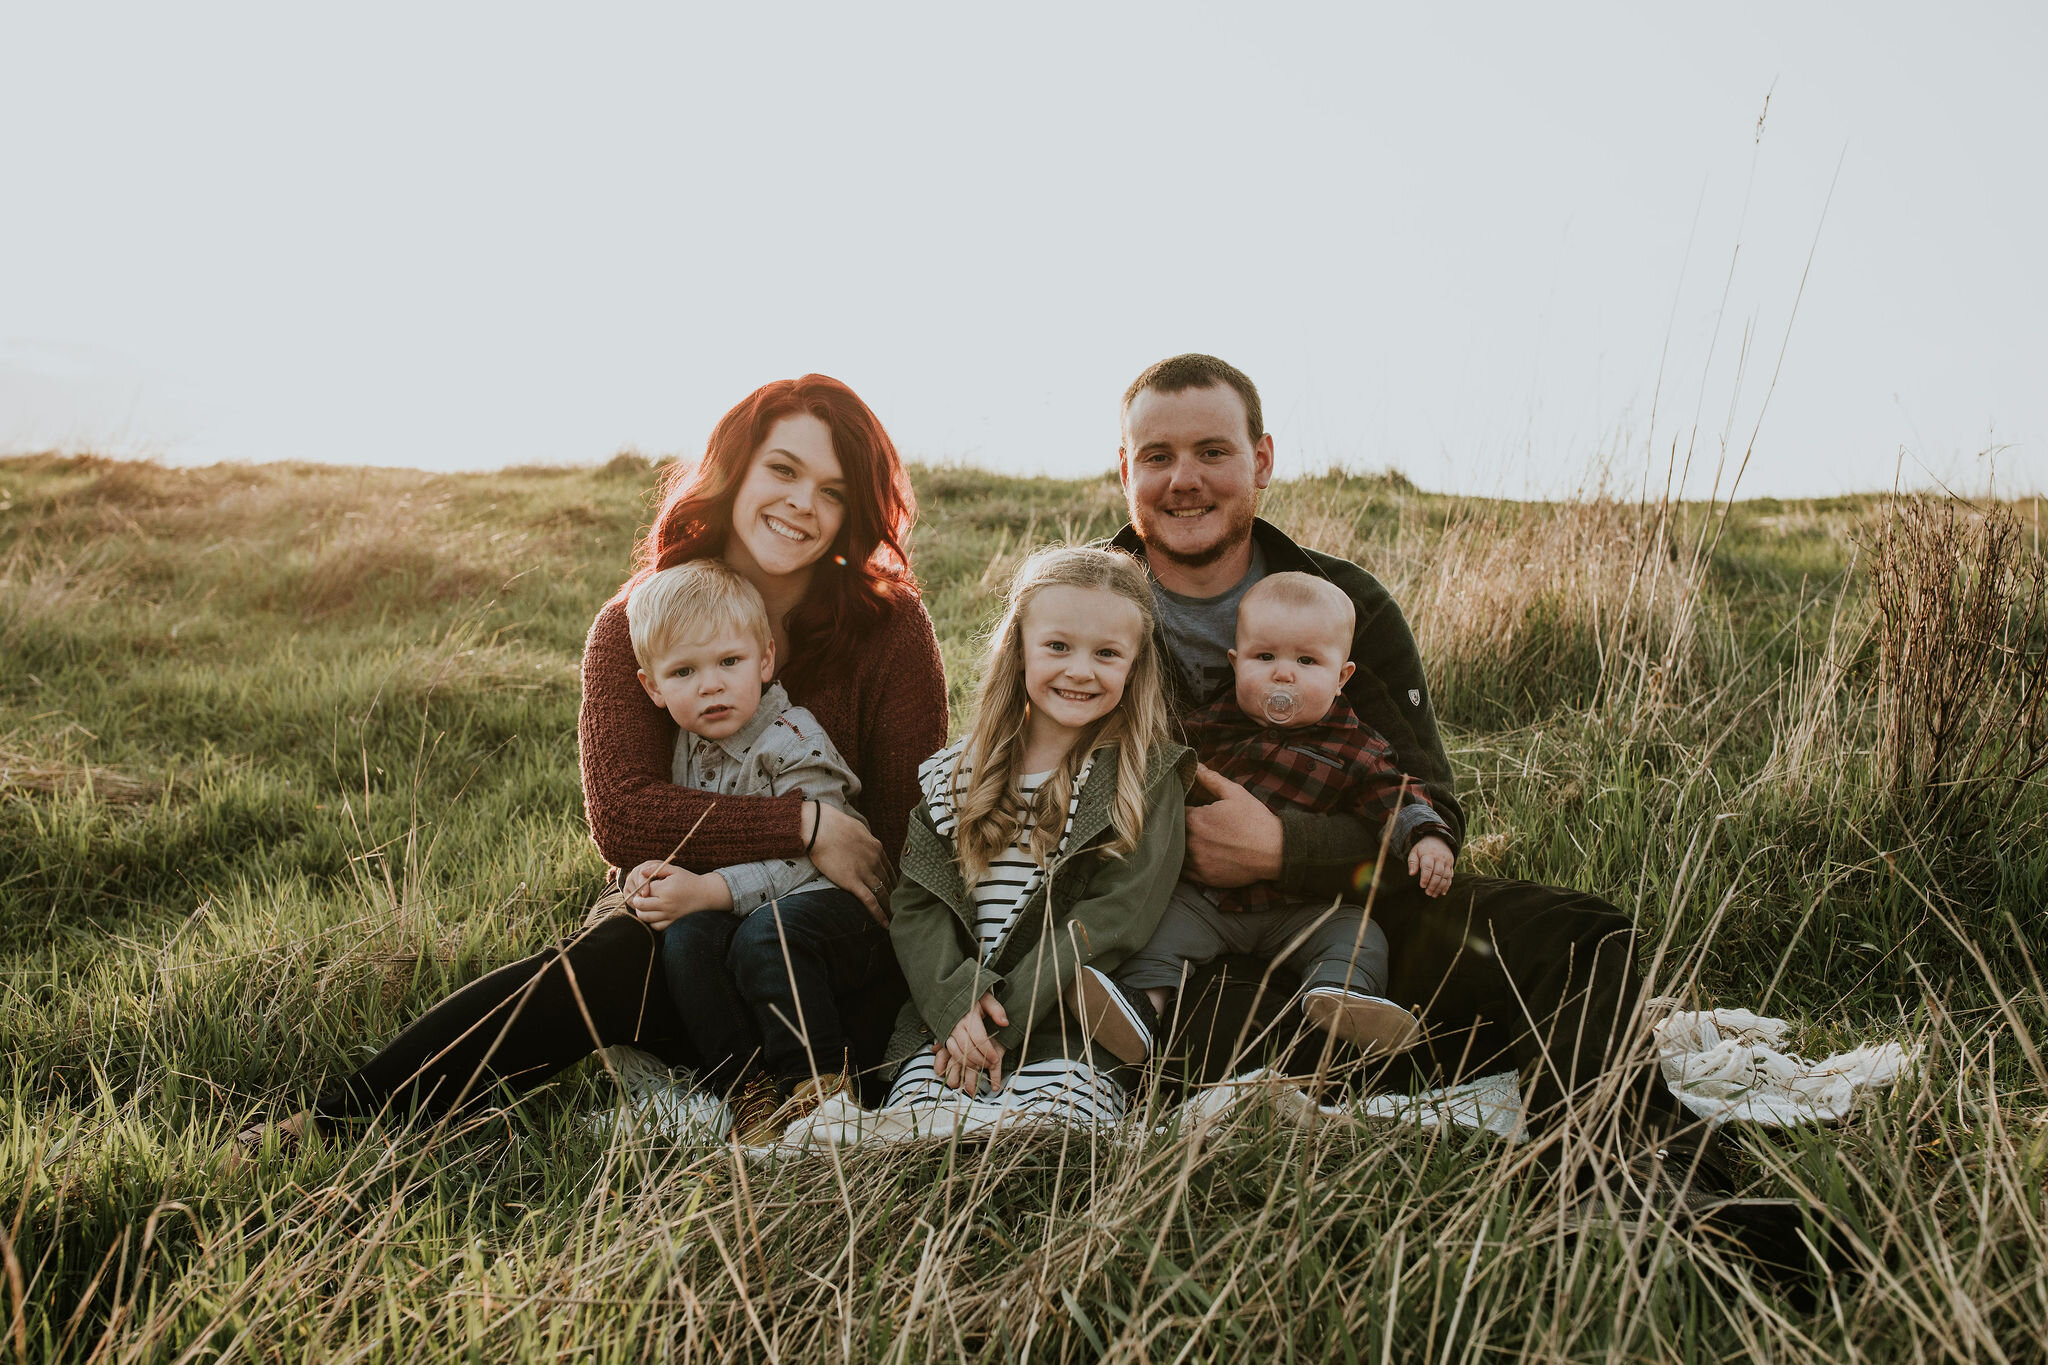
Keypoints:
(1722, 1064)
(1729, 1064)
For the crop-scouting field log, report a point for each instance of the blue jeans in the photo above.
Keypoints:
(759, 989)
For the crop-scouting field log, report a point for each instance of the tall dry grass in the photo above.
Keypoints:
(383, 807)
(1961, 607)
(1247, 1236)
(1519, 608)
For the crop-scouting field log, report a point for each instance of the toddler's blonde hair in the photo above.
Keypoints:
(694, 600)
(985, 808)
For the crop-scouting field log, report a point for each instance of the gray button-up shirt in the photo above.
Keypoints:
(781, 750)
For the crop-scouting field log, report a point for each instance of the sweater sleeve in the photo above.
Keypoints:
(1332, 855)
(903, 722)
(1390, 695)
(636, 814)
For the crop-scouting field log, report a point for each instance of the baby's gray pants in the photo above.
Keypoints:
(1339, 947)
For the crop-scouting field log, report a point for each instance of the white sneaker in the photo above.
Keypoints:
(1374, 1025)
(661, 1103)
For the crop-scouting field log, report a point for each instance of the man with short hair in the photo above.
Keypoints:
(1500, 972)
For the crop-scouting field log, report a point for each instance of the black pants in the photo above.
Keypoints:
(519, 1025)
(1503, 974)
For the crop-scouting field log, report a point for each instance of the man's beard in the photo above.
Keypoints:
(1235, 534)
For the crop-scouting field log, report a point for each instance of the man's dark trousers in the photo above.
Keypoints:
(1503, 974)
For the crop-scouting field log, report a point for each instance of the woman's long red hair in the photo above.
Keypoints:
(866, 569)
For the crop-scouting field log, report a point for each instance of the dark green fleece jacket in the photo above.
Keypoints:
(1321, 854)
(1090, 910)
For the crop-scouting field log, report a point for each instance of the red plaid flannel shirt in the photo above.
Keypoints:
(1339, 764)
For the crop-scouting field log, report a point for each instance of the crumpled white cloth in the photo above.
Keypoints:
(1722, 1064)
(1729, 1064)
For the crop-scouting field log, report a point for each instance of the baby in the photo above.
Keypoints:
(1289, 736)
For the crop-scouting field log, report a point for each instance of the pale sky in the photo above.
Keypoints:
(1459, 241)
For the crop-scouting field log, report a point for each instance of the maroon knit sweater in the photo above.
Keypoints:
(884, 706)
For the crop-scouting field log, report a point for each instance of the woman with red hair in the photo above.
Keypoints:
(801, 492)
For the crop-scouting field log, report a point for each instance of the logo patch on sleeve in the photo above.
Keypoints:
(1415, 696)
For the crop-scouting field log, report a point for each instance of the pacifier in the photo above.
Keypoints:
(1280, 705)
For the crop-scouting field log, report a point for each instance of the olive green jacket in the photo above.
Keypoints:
(1090, 909)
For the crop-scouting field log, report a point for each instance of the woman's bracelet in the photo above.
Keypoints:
(817, 819)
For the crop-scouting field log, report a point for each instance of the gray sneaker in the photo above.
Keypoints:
(1122, 1022)
(1375, 1026)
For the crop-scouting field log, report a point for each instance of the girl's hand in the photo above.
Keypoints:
(849, 856)
(1430, 861)
(969, 1049)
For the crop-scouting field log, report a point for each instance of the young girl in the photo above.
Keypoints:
(1047, 842)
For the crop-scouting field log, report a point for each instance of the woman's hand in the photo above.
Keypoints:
(659, 894)
(1430, 862)
(969, 1051)
(849, 856)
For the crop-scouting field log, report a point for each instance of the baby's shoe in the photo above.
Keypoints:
(1119, 1020)
(1375, 1026)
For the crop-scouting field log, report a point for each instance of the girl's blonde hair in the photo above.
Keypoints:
(988, 820)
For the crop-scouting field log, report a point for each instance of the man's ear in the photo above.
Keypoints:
(1123, 469)
(1262, 461)
(1344, 674)
(653, 693)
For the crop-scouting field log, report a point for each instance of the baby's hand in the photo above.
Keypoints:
(1430, 861)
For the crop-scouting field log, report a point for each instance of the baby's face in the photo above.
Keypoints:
(711, 685)
(1290, 664)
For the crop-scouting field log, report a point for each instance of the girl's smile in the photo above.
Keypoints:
(1078, 646)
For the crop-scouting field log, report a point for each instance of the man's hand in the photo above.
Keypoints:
(1430, 861)
(659, 894)
(969, 1050)
(1234, 840)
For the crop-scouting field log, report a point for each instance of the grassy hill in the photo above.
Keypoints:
(286, 752)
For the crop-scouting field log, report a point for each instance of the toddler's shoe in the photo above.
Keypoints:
(810, 1096)
(1121, 1021)
(754, 1108)
(1375, 1026)
(762, 1113)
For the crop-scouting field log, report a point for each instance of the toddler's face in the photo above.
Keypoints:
(1290, 664)
(711, 685)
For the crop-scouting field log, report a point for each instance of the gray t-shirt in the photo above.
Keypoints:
(1201, 631)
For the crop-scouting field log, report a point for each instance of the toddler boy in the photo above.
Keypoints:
(1289, 736)
(745, 979)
